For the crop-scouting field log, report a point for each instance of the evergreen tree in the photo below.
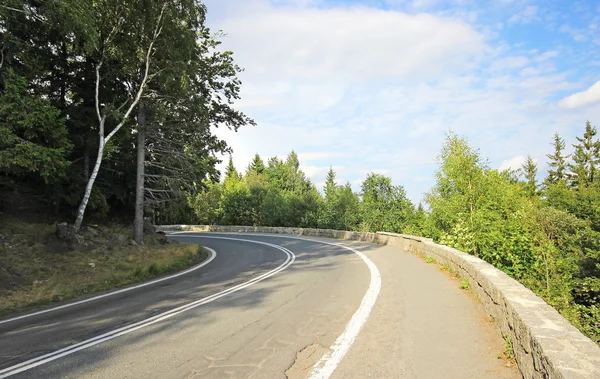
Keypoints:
(529, 172)
(230, 171)
(557, 162)
(330, 184)
(257, 166)
(585, 158)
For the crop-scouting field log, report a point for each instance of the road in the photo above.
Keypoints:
(268, 307)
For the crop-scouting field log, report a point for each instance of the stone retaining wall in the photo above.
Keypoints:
(545, 344)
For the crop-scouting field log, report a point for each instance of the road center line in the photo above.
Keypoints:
(34, 362)
(325, 367)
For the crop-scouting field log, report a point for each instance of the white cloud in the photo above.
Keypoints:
(514, 163)
(320, 156)
(527, 15)
(361, 89)
(356, 44)
(583, 98)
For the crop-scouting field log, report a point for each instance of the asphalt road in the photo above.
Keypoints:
(266, 310)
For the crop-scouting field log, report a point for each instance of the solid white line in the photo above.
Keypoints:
(27, 365)
(330, 361)
(212, 256)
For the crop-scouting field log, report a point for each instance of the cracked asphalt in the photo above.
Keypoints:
(422, 325)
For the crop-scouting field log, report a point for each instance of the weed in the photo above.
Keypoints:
(464, 284)
(509, 352)
(445, 267)
(430, 260)
(153, 269)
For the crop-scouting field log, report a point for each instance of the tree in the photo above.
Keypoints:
(207, 203)
(231, 172)
(557, 162)
(330, 184)
(257, 166)
(585, 158)
(34, 136)
(458, 187)
(529, 172)
(384, 207)
(116, 19)
(193, 91)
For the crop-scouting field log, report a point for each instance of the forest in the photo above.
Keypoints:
(107, 115)
(544, 234)
(106, 111)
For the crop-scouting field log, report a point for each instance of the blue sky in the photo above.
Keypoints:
(374, 85)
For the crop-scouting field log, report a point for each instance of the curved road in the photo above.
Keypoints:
(267, 307)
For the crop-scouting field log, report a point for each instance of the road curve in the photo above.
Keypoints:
(265, 310)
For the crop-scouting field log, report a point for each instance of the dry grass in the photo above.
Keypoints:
(37, 269)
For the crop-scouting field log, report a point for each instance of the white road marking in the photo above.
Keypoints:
(325, 367)
(27, 365)
(212, 256)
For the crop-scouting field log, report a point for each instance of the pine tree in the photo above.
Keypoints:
(292, 161)
(257, 166)
(230, 171)
(557, 162)
(330, 184)
(530, 171)
(585, 159)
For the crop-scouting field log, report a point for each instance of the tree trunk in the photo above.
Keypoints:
(91, 180)
(86, 160)
(138, 223)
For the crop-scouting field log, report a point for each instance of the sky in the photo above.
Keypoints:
(375, 85)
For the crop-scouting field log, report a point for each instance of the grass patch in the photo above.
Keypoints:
(464, 284)
(430, 260)
(509, 352)
(36, 269)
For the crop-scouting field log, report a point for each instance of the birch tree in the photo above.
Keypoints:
(116, 21)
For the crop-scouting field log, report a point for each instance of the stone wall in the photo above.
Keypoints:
(545, 344)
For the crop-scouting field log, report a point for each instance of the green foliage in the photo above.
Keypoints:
(529, 172)
(34, 136)
(257, 165)
(558, 162)
(384, 207)
(585, 158)
(549, 239)
(50, 52)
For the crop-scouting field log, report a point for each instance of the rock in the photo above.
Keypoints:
(148, 227)
(92, 265)
(2, 237)
(118, 239)
(133, 243)
(65, 232)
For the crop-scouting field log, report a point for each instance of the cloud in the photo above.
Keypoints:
(514, 163)
(583, 98)
(361, 88)
(356, 44)
(527, 15)
(320, 156)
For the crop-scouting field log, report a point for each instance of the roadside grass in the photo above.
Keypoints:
(36, 269)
